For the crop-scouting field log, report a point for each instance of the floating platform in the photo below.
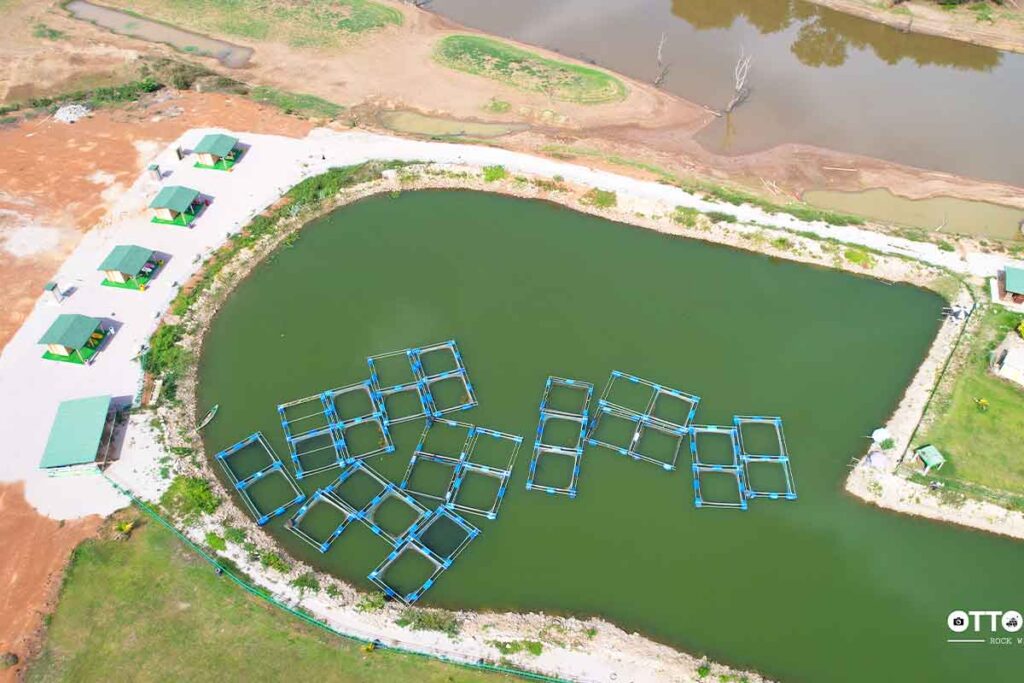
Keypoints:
(701, 473)
(262, 510)
(564, 402)
(490, 454)
(658, 414)
(777, 458)
(316, 503)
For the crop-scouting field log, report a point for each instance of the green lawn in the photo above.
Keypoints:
(528, 71)
(313, 23)
(149, 609)
(982, 448)
(296, 103)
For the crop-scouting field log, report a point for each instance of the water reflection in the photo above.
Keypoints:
(824, 37)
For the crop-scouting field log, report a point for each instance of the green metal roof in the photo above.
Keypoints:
(126, 258)
(71, 330)
(1015, 280)
(216, 144)
(930, 456)
(76, 432)
(175, 198)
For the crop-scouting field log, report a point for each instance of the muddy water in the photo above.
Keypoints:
(943, 214)
(438, 126)
(819, 77)
(230, 55)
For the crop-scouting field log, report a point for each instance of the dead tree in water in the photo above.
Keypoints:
(662, 66)
(741, 90)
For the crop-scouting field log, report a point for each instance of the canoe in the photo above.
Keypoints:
(209, 417)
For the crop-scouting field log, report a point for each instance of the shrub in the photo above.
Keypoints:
(946, 246)
(306, 582)
(7, 660)
(190, 496)
(602, 199)
(216, 542)
(859, 257)
(430, 620)
(720, 217)
(371, 602)
(234, 535)
(684, 215)
(511, 647)
(782, 243)
(494, 173)
(703, 670)
(498, 106)
(888, 444)
(271, 560)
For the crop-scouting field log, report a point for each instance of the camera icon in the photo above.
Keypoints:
(957, 621)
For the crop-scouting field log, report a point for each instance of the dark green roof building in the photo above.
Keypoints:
(216, 144)
(127, 259)
(72, 337)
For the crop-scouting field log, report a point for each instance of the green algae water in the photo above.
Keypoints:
(823, 588)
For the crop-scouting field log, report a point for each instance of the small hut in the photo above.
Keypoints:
(175, 205)
(128, 266)
(1011, 363)
(1013, 282)
(930, 457)
(218, 151)
(73, 338)
(75, 438)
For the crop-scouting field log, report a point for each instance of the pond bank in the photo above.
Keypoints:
(929, 19)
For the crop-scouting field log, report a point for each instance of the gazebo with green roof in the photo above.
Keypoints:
(175, 205)
(1014, 281)
(73, 338)
(128, 266)
(218, 151)
(75, 437)
(930, 457)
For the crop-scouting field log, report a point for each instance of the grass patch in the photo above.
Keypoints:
(216, 542)
(44, 32)
(602, 199)
(371, 602)
(306, 583)
(296, 103)
(314, 24)
(528, 71)
(430, 620)
(511, 647)
(149, 609)
(189, 497)
(720, 217)
(494, 173)
(498, 106)
(166, 358)
(982, 448)
(685, 216)
(859, 257)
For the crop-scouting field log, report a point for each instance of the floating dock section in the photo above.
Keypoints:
(573, 406)
(264, 505)
(661, 411)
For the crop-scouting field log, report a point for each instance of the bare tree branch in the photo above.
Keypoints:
(662, 66)
(741, 90)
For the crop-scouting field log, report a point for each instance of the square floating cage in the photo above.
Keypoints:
(767, 469)
(321, 520)
(445, 534)
(352, 402)
(450, 392)
(478, 490)
(317, 451)
(358, 487)
(493, 449)
(568, 397)
(305, 415)
(365, 437)
(267, 491)
(728, 451)
(405, 402)
(394, 533)
(561, 433)
(540, 481)
(658, 414)
(407, 572)
(429, 476)
(446, 438)
(719, 486)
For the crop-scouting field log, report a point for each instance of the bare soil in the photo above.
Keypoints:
(35, 551)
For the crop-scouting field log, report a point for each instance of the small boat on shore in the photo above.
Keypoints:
(209, 417)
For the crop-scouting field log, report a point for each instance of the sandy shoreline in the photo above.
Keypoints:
(917, 17)
(273, 165)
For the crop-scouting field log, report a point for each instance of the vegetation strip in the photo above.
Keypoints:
(526, 70)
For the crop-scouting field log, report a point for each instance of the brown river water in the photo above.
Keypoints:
(819, 77)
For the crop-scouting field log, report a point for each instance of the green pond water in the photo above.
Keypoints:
(823, 588)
